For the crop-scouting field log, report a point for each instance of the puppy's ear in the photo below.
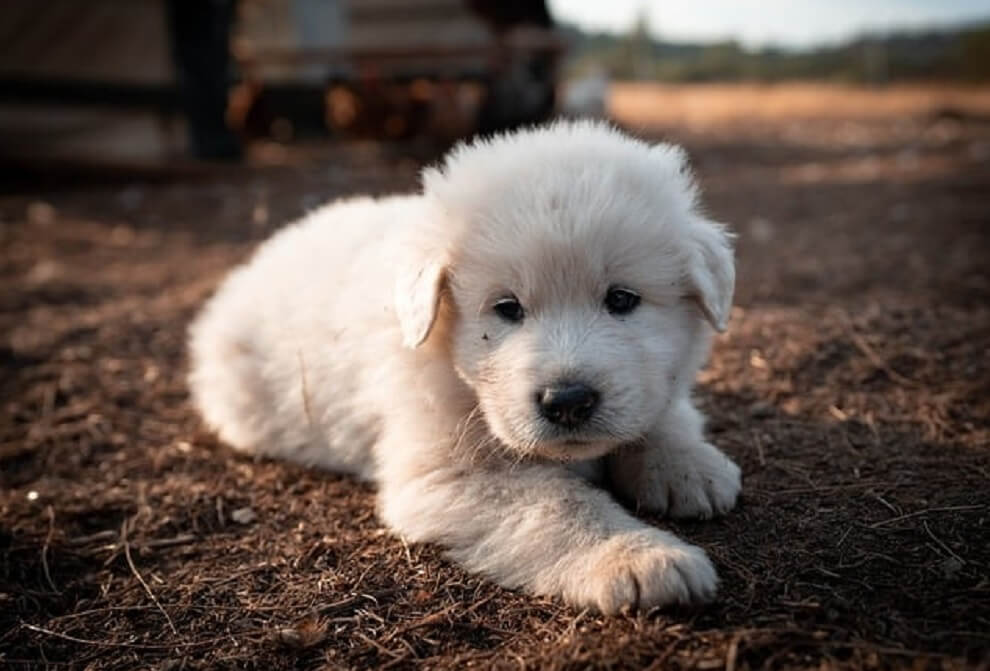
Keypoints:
(418, 290)
(712, 270)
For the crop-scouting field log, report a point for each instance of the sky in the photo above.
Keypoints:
(757, 23)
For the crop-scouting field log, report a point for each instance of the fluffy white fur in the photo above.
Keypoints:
(364, 339)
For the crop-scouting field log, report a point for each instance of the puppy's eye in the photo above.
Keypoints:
(509, 309)
(621, 301)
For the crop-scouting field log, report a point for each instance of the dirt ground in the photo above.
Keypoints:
(853, 388)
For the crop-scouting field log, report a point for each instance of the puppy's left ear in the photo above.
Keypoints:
(418, 290)
(712, 270)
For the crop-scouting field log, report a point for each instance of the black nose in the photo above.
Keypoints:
(567, 404)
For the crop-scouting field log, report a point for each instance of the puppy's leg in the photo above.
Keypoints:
(544, 529)
(675, 470)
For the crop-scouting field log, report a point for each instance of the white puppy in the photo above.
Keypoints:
(489, 351)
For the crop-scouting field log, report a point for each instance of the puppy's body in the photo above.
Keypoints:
(292, 356)
(373, 338)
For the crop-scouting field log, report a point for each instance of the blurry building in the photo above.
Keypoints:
(399, 67)
(287, 68)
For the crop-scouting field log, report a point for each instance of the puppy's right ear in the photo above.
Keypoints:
(418, 290)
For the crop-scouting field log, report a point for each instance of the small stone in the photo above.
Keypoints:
(304, 634)
(761, 229)
(41, 213)
(259, 215)
(43, 271)
(951, 567)
(756, 360)
(760, 410)
(289, 637)
(244, 515)
(131, 197)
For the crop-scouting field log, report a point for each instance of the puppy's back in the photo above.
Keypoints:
(277, 355)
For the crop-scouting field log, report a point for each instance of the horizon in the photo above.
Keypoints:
(801, 25)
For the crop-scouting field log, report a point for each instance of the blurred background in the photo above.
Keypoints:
(153, 81)
(147, 146)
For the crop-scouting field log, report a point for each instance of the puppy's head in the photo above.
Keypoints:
(579, 278)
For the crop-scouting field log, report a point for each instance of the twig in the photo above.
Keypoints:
(304, 388)
(421, 622)
(888, 505)
(395, 662)
(50, 512)
(181, 539)
(759, 448)
(105, 535)
(942, 545)
(125, 609)
(871, 354)
(732, 653)
(478, 604)
(357, 583)
(379, 647)
(33, 663)
(130, 562)
(135, 646)
(918, 513)
(109, 535)
(826, 488)
(336, 605)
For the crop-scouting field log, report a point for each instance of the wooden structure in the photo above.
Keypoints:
(380, 68)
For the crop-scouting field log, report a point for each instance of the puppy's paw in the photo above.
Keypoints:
(643, 571)
(701, 482)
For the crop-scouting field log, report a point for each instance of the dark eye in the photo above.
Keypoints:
(621, 301)
(509, 309)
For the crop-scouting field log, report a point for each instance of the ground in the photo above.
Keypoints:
(853, 388)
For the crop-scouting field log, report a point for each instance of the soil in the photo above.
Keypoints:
(853, 388)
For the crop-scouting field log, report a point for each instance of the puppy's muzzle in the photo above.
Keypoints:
(568, 404)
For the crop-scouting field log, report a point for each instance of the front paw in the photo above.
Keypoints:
(699, 482)
(642, 570)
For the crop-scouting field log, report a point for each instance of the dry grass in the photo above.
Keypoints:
(706, 105)
(852, 388)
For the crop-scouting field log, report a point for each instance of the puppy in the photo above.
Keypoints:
(493, 353)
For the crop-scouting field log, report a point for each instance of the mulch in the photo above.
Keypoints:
(853, 388)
